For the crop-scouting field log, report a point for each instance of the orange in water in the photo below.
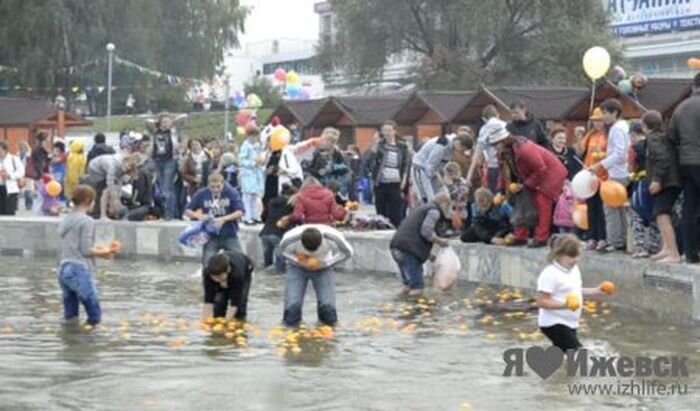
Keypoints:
(608, 287)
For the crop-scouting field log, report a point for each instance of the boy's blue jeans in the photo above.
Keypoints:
(218, 243)
(411, 269)
(78, 287)
(295, 288)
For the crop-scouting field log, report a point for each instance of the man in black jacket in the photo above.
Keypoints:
(100, 148)
(684, 132)
(525, 124)
(388, 165)
(227, 279)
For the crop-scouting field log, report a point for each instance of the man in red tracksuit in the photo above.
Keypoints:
(539, 171)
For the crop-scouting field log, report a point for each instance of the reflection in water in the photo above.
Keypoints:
(387, 353)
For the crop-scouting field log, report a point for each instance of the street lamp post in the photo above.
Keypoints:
(110, 57)
(227, 103)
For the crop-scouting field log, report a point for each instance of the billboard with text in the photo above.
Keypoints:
(630, 18)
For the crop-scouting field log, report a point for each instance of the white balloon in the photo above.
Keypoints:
(585, 184)
(596, 62)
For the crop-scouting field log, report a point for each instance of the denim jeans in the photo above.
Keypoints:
(295, 288)
(28, 199)
(165, 175)
(270, 254)
(250, 203)
(616, 222)
(218, 243)
(411, 269)
(78, 287)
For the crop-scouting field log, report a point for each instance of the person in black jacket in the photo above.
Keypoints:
(227, 279)
(100, 148)
(388, 166)
(277, 223)
(567, 155)
(525, 124)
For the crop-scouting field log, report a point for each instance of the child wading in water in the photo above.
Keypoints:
(77, 251)
(560, 294)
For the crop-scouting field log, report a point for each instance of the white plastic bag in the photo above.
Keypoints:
(445, 268)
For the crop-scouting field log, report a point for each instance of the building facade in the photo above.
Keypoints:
(658, 36)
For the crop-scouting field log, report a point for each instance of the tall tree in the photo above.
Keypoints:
(183, 37)
(461, 43)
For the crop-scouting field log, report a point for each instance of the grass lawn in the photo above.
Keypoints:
(198, 125)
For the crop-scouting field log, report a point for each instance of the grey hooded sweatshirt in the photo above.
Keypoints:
(77, 234)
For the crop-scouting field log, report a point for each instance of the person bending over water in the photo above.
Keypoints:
(312, 251)
(227, 277)
(76, 254)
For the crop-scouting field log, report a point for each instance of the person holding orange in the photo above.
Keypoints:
(560, 293)
(76, 254)
(311, 252)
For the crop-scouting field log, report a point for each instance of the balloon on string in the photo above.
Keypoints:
(617, 74)
(639, 81)
(239, 99)
(292, 77)
(585, 184)
(253, 101)
(580, 216)
(244, 116)
(280, 74)
(293, 91)
(75, 89)
(613, 194)
(53, 188)
(304, 93)
(596, 62)
(625, 86)
(279, 138)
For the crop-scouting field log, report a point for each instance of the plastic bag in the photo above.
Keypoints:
(446, 268)
(524, 211)
(198, 234)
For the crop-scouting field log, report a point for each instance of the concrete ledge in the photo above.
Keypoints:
(671, 292)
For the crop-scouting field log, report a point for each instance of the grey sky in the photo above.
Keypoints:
(271, 19)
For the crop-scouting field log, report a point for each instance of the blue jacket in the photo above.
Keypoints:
(251, 175)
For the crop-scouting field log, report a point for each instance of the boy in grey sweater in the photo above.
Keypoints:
(76, 255)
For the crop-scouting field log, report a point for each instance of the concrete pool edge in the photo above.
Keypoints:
(670, 292)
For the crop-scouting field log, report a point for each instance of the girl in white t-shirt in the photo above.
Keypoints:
(560, 294)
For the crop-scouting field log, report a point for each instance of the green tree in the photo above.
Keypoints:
(462, 43)
(270, 94)
(179, 37)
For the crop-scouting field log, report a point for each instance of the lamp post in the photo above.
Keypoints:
(227, 103)
(110, 57)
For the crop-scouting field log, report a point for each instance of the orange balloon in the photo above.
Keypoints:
(53, 188)
(608, 287)
(613, 194)
(580, 216)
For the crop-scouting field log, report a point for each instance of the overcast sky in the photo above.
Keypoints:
(271, 19)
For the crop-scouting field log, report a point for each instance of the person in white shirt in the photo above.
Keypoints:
(11, 172)
(615, 162)
(560, 293)
(312, 252)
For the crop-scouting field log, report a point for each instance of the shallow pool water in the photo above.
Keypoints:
(387, 353)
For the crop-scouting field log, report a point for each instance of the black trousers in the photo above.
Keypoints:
(8, 202)
(691, 211)
(596, 219)
(562, 336)
(388, 202)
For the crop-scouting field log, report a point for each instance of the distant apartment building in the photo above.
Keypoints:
(658, 36)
